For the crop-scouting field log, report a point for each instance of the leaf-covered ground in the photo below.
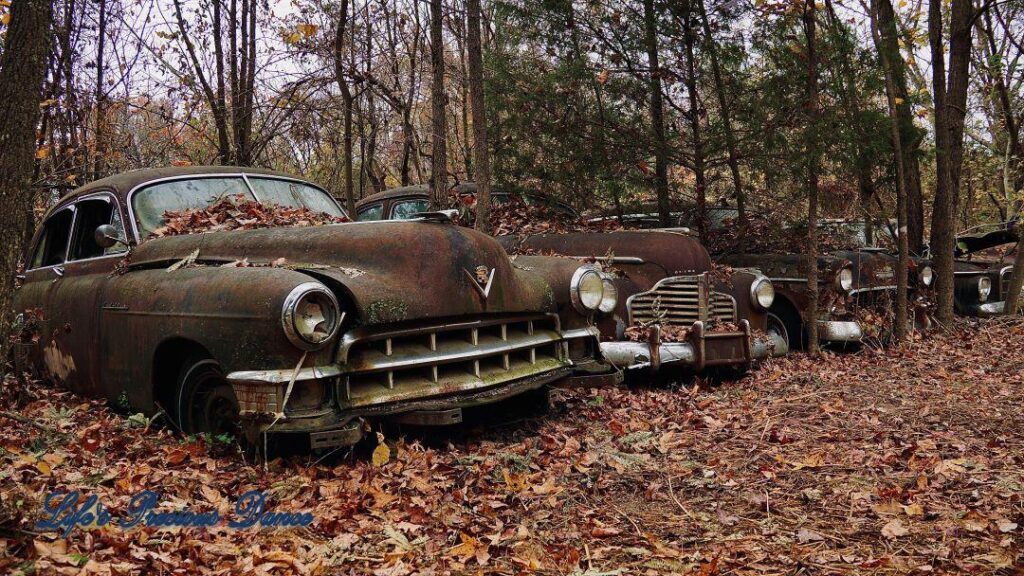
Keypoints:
(898, 461)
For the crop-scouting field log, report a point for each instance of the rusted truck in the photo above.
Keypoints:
(671, 309)
(982, 266)
(310, 331)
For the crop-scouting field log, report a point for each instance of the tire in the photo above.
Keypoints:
(787, 322)
(206, 402)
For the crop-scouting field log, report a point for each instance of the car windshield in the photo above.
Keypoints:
(406, 209)
(151, 203)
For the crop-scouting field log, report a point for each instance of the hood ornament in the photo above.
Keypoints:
(481, 280)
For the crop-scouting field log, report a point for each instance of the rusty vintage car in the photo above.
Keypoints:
(323, 328)
(677, 311)
(982, 267)
(856, 281)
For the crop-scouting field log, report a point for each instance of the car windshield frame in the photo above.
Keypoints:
(133, 214)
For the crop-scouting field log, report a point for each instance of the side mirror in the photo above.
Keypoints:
(106, 236)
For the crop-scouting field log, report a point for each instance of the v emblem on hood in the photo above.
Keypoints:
(482, 280)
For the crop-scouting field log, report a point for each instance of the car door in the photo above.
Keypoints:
(44, 271)
(74, 304)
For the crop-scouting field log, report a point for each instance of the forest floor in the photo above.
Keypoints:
(897, 461)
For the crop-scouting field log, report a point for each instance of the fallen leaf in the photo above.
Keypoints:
(894, 529)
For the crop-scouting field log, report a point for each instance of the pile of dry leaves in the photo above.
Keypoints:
(516, 218)
(908, 460)
(237, 213)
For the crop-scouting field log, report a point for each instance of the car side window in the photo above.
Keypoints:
(92, 214)
(53, 241)
(371, 212)
(406, 209)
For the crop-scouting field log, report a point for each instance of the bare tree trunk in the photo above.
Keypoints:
(100, 161)
(887, 58)
(700, 178)
(730, 136)
(346, 100)
(22, 72)
(811, 150)
(942, 211)
(439, 157)
(657, 108)
(476, 95)
(950, 111)
(910, 134)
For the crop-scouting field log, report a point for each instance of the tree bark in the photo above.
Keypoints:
(22, 72)
(346, 101)
(700, 178)
(730, 135)
(439, 157)
(811, 150)
(100, 160)
(476, 95)
(942, 210)
(657, 109)
(910, 135)
(888, 56)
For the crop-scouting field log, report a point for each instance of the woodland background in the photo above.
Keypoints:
(778, 107)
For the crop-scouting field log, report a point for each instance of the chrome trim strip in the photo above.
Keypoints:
(284, 375)
(784, 279)
(871, 289)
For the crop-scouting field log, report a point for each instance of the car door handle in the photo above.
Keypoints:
(58, 270)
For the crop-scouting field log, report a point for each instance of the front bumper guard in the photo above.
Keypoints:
(839, 331)
(990, 309)
(701, 349)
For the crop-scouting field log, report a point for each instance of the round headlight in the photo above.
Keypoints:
(586, 289)
(610, 296)
(762, 293)
(844, 279)
(310, 315)
(984, 288)
(927, 276)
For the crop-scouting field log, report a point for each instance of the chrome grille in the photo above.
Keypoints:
(392, 366)
(681, 300)
(1004, 282)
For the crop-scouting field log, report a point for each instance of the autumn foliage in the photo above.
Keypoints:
(239, 214)
(857, 463)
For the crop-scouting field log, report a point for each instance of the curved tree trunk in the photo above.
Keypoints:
(22, 71)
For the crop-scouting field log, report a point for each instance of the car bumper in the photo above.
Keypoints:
(700, 350)
(990, 309)
(261, 394)
(839, 331)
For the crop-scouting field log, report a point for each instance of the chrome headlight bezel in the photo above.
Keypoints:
(582, 297)
(844, 279)
(290, 314)
(762, 293)
(984, 288)
(926, 275)
(609, 295)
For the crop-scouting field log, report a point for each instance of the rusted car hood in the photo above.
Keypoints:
(676, 252)
(987, 237)
(386, 271)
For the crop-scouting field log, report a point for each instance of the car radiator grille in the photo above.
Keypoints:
(397, 365)
(681, 300)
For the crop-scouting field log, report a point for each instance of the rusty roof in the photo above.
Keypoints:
(413, 190)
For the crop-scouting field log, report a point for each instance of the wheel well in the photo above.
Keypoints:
(168, 359)
(785, 310)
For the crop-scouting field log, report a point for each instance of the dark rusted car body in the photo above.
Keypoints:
(663, 279)
(979, 263)
(430, 317)
(850, 281)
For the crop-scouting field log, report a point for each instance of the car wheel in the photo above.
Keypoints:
(787, 323)
(206, 401)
